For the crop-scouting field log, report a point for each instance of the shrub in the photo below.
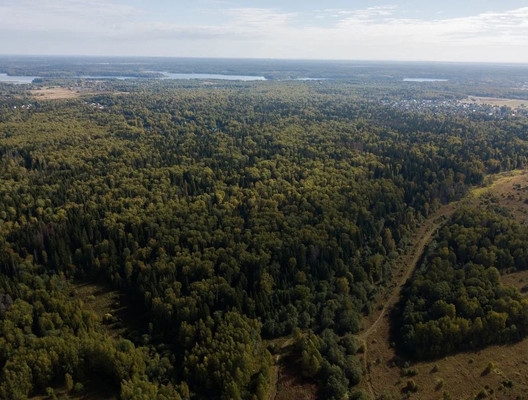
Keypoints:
(78, 387)
(358, 394)
(409, 372)
(411, 387)
(490, 367)
(482, 394)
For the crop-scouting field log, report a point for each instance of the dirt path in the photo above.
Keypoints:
(408, 261)
(274, 380)
(405, 266)
(283, 343)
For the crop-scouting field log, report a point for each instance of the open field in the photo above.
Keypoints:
(59, 92)
(494, 101)
(464, 375)
(55, 93)
(510, 191)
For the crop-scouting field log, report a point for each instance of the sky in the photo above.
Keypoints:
(406, 30)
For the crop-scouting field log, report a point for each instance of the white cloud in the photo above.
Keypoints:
(481, 28)
(256, 23)
(371, 13)
(370, 33)
(495, 27)
(65, 15)
(375, 33)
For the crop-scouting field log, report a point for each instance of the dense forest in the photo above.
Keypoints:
(231, 214)
(456, 300)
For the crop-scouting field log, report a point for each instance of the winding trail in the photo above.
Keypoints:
(405, 266)
(410, 260)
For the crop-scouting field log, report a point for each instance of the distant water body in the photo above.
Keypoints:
(109, 77)
(169, 75)
(166, 75)
(424, 80)
(16, 79)
(312, 79)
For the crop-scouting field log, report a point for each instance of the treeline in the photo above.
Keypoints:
(229, 214)
(456, 301)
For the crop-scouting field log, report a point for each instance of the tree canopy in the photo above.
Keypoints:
(234, 213)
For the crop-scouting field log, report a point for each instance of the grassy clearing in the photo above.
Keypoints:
(55, 93)
(286, 382)
(494, 101)
(59, 92)
(291, 387)
(118, 318)
(518, 280)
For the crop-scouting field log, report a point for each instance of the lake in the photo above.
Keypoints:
(170, 75)
(16, 79)
(424, 80)
(118, 77)
(166, 75)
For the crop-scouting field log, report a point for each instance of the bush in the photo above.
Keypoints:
(409, 372)
(353, 370)
(78, 387)
(50, 392)
(358, 394)
(411, 387)
(482, 394)
(490, 367)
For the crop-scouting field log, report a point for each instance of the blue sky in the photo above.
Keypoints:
(448, 30)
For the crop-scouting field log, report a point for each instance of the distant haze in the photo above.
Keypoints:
(449, 30)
